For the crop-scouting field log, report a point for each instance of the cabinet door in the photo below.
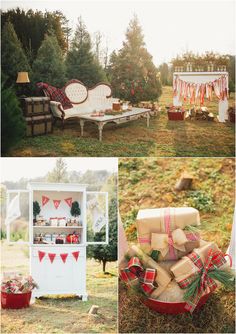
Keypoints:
(18, 214)
(97, 218)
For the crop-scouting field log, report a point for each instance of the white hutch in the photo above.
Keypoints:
(60, 268)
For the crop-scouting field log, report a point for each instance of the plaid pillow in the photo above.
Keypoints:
(56, 94)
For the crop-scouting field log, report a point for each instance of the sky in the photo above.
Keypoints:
(169, 27)
(13, 169)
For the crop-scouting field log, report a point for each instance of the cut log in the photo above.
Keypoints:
(185, 182)
(94, 310)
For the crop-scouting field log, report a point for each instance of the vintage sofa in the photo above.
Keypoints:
(84, 100)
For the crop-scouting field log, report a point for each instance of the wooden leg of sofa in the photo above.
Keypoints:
(63, 123)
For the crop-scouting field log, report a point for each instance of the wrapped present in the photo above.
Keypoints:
(185, 267)
(175, 244)
(147, 266)
(199, 272)
(163, 220)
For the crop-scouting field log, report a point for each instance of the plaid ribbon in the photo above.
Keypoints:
(136, 274)
(214, 259)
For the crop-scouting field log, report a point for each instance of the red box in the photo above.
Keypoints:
(15, 300)
(176, 115)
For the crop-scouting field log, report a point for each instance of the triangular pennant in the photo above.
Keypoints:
(41, 255)
(76, 255)
(45, 199)
(51, 256)
(56, 203)
(69, 201)
(64, 257)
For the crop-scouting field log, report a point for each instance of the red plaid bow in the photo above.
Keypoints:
(135, 273)
(213, 260)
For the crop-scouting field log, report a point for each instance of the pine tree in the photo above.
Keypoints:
(49, 65)
(12, 122)
(107, 253)
(81, 63)
(13, 58)
(59, 172)
(133, 74)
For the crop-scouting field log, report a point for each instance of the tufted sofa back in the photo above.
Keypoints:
(76, 91)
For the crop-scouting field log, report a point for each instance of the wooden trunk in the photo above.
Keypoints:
(35, 106)
(38, 125)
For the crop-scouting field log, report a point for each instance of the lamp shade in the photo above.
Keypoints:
(22, 77)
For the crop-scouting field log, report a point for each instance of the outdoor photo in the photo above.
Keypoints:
(59, 245)
(118, 78)
(176, 245)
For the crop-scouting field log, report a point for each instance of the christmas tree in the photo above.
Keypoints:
(49, 65)
(80, 62)
(133, 74)
(13, 58)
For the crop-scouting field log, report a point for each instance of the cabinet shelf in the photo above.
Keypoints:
(66, 227)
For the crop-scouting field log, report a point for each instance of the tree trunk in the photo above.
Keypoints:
(104, 266)
(184, 182)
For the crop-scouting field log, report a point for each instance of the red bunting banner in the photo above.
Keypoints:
(64, 257)
(45, 199)
(56, 203)
(76, 255)
(51, 256)
(69, 201)
(41, 255)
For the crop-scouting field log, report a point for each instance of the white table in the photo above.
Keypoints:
(127, 116)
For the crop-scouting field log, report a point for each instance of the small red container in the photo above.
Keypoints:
(172, 308)
(175, 115)
(15, 300)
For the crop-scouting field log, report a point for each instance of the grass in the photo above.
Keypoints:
(149, 183)
(162, 138)
(63, 315)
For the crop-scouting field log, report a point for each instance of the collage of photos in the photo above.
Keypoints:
(118, 166)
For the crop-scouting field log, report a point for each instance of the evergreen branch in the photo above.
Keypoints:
(193, 288)
(227, 278)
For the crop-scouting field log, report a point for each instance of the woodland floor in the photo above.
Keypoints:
(149, 183)
(63, 315)
(162, 138)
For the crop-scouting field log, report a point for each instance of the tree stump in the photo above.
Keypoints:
(185, 182)
(94, 310)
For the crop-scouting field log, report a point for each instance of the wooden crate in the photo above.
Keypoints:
(35, 106)
(39, 125)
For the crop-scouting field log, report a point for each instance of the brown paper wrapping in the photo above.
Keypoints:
(152, 221)
(185, 247)
(185, 267)
(163, 278)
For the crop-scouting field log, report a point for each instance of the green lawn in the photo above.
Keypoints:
(163, 138)
(149, 183)
(63, 315)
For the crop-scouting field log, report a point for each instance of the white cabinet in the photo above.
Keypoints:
(61, 268)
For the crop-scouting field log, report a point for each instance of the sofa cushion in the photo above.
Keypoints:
(55, 94)
(76, 91)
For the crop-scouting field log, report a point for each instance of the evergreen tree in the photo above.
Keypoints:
(165, 74)
(12, 122)
(106, 253)
(133, 74)
(13, 58)
(49, 65)
(59, 172)
(81, 63)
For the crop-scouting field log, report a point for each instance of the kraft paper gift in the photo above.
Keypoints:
(174, 245)
(185, 267)
(163, 220)
(162, 279)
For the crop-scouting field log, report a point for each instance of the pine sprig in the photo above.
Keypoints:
(154, 255)
(193, 288)
(193, 229)
(227, 278)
